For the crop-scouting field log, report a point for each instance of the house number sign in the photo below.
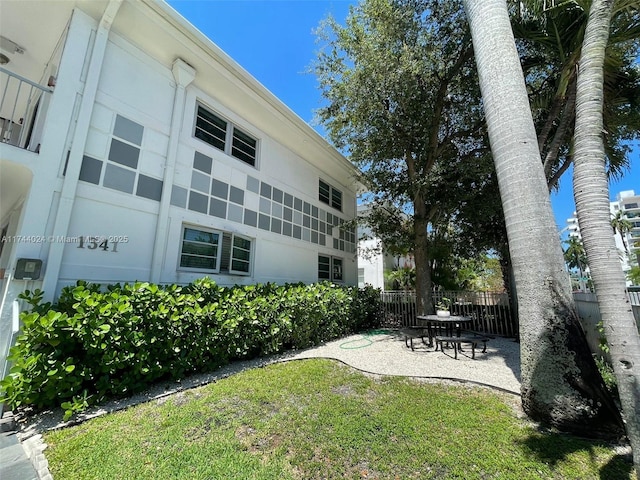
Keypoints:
(106, 244)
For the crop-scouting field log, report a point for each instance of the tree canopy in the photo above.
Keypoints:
(402, 103)
(549, 37)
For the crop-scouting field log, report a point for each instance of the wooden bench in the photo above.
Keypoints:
(413, 332)
(471, 338)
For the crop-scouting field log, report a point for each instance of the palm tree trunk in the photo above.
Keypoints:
(510, 287)
(624, 242)
(560, 382)
(591, 190)
(568, 114)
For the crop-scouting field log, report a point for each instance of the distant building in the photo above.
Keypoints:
(628, 245)
(629, 204)
(573, 228)
(374, 264)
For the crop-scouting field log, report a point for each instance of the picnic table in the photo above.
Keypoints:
(442, 330)
(438, 325)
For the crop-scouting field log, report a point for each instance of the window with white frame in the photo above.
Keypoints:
(200, 249)
(215, 251)
(324, 267)
(329, 195)
(330, 268)
(240, 255)
(222, 134)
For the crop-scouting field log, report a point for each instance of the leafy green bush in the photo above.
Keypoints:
(604, 367)
(608, 376)
(92, 344)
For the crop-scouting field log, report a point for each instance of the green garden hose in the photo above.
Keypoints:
(365, 341)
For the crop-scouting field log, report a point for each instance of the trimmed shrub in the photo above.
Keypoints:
(92, 344)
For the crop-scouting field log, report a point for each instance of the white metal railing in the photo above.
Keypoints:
(10, 332)
(23, 104)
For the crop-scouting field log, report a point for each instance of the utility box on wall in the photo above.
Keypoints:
(28, 269)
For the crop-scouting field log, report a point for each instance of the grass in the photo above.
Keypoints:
(317, 419)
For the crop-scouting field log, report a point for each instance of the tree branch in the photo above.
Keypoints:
(568, 114)
(465, 54)
(548, 125)
(553, 181)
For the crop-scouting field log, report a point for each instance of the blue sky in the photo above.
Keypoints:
(274, 41)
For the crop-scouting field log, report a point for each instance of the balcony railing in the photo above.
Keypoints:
(23, 105)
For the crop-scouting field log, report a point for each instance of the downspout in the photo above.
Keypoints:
(70, 182)
(184, 74)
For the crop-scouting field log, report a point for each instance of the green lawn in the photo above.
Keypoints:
(317, 419)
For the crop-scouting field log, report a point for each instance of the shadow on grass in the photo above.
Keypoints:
(555, 448)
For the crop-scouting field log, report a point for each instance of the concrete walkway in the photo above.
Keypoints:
(14, 463)
(380, 352)
(383, 352)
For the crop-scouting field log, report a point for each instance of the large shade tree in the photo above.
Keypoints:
(398, 80)
(591, 191)
(560, 382)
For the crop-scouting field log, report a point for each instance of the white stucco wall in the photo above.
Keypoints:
(141, 90)
(373, 265)
(136, 84)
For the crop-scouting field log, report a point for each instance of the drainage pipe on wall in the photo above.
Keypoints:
(70, 184)
(184, 74)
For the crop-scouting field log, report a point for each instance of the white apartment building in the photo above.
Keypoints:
(133, 148)
(628, 245)
(374, 263)
(628, 203)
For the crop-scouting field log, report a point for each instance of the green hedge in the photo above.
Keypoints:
(93, 344)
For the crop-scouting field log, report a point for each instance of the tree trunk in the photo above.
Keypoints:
(510, 287)
(591, 190)
(561, 385)
(424, 302)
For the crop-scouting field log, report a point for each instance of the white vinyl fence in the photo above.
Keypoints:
(589, 312)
